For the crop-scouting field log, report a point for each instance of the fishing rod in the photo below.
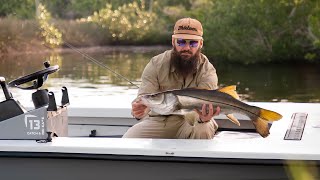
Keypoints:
(88, 57)
(98, 62)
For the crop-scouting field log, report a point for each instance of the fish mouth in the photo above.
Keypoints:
(152, 100)
(160, 103)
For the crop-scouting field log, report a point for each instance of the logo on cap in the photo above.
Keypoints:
(187, 28)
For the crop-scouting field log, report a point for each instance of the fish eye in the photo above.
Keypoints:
(151, 95)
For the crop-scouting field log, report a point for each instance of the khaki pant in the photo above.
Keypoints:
(172, 127)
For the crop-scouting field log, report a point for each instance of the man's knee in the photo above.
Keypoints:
(133, 132)
(205, 130)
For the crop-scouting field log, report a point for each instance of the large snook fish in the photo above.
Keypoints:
(181, 101)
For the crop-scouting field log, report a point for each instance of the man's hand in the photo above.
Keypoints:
(207, 112)
(138, 109)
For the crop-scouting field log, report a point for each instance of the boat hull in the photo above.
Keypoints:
(87, 166)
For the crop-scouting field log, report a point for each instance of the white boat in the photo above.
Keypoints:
(91, 147)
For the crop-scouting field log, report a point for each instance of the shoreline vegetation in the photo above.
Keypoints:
(90, 49)
(245, 32)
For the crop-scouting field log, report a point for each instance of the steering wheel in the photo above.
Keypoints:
(40, 75)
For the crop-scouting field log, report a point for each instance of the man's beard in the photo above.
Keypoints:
(182, 65)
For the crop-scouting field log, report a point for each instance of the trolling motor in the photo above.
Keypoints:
(42, 123)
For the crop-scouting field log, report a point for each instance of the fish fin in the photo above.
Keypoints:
(262, 127)
(269, 115)
(233, 119)
(231, 90)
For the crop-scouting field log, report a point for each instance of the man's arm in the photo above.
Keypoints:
(209, 77)
(149, 79)
(149, 84)
(208, 80)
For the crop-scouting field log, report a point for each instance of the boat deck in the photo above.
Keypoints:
(226, 144)
(246, 151)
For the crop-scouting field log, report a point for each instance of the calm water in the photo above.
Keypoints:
(292, 83)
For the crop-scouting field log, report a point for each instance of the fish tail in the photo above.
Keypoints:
(268, 115)
(262, 126)
(261, 120)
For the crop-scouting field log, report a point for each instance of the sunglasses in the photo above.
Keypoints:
(183, 42)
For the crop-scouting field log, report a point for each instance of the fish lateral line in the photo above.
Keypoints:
(238, 107)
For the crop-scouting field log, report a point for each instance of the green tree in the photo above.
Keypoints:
(52, 37)
(73, 9)
(258, 31)
(128, 22)
(23, 9)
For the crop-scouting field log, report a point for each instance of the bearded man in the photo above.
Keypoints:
(184, 66)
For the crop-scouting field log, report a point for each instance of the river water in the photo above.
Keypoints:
(90, 83)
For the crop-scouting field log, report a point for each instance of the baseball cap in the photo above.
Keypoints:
(188, 28)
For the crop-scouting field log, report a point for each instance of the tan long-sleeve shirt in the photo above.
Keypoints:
(159, 75)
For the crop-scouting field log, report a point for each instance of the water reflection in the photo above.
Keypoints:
(293, 83)
(76, 67)
(279, 82)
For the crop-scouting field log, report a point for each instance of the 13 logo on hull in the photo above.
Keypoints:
(34, 124)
